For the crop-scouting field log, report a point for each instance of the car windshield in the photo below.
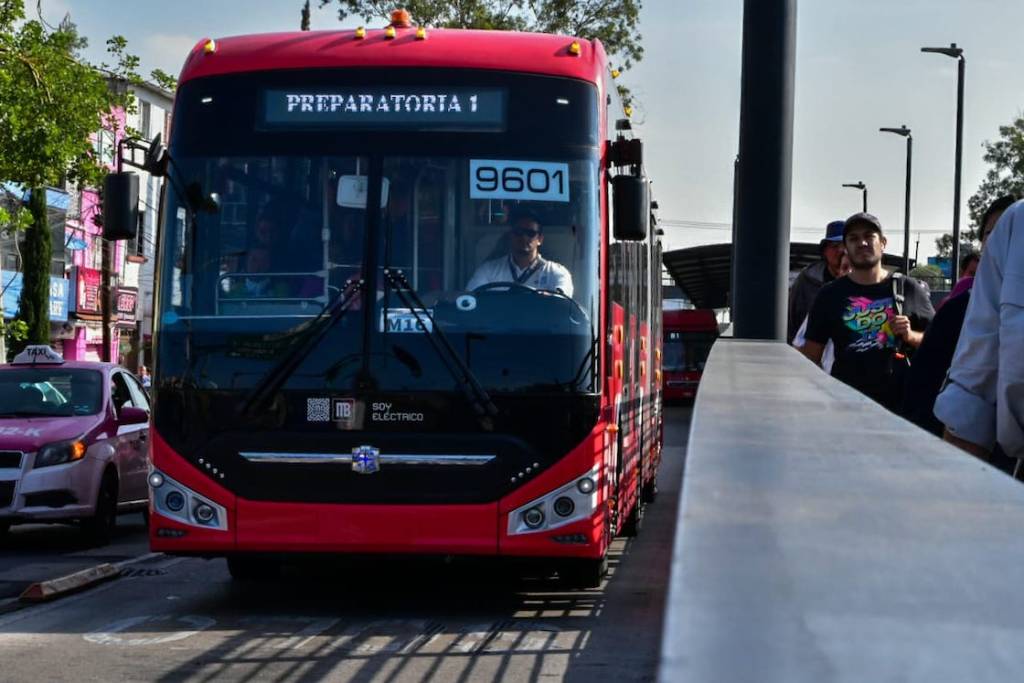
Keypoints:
(488, 242)
(37, 392)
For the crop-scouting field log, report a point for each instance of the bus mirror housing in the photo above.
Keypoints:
(631, 207)
(120, 206)
(156, 158)
(623, 152)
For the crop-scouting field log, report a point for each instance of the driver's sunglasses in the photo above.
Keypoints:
(525, 232)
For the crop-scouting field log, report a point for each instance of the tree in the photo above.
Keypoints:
(50, 103)
(931, 275)
(1005, 176)
(613, 22)
(164, 80)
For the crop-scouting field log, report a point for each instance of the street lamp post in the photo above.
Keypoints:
(864, 192)
(958, 54)
(905, 132)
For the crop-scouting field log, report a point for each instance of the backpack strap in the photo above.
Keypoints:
(898, 289)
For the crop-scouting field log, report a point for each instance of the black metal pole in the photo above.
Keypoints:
(865, 193)
(906, 210)
(735, 215)
(761, 249)
(959, 159)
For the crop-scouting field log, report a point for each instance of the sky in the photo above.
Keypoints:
(859, 67)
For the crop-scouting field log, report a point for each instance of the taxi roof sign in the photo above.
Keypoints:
(38, 354)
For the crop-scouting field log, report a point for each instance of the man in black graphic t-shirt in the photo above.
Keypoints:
(873, 319)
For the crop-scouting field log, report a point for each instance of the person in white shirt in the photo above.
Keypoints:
(524, 265)
(982, 403)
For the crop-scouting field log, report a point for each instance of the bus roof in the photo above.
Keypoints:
(535, 53)
(694, 320)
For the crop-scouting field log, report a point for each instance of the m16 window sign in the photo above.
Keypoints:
(429, 108)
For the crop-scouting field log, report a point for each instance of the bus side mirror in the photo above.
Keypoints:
(157, 158)
(631, 207)
(120, 206)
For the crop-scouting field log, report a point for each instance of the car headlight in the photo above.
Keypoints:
(60, 453)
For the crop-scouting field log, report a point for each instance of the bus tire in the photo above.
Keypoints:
(651, 491)
(253, 568)
(100, 527)
(583, 573)
(635, 519)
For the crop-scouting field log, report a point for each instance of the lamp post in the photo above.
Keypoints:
(958, 54)
(905, 132)
(864, 191)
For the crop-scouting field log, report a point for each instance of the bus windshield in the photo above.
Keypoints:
(686, 350)
(482, 241)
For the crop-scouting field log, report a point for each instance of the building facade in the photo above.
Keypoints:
(75, 218)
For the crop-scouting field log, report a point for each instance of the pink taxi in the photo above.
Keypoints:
(72, 442)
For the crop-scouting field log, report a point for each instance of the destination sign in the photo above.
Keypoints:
(382, 107)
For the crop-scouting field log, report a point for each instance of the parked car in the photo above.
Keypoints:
(73, 442)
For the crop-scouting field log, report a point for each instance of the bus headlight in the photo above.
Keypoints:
(176, 501)
(571, 502)
(533, 518)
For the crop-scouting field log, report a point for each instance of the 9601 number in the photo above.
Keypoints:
(522, 180)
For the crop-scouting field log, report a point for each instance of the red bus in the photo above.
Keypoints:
(351, 356)
(688, 336)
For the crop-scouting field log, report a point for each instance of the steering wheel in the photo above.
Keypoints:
(503, 285)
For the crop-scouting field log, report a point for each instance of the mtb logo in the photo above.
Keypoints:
(365, 460)
(344, 410)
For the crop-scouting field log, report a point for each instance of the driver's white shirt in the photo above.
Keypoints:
(549, 275)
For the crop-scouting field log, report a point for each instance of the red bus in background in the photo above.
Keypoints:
(688, 336)
(325, 379)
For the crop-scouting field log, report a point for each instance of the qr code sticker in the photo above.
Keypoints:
(318, 410)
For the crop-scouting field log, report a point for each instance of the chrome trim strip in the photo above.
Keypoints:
(456, 459)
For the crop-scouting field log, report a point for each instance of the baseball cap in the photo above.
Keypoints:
(862, 218)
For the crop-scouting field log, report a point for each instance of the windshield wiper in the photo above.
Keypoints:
(477, 396)
(315, 331)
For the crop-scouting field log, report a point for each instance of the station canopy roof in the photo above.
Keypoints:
(704, 273)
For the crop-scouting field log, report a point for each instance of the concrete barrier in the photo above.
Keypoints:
(822, 538)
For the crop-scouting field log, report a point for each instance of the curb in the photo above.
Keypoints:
(51, 589)
(43, 591)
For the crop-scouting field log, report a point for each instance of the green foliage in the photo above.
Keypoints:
(613, 22)
(34, 305)
(929, 274)
(15, 332)
(164, 80)
(1005, 176)
(51, 103)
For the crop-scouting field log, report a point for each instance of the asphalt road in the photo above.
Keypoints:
(36, 552)
(175, 619)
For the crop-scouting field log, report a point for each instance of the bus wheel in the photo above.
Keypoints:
(635, 520)
(253, 569)
(651, 491)
(583, 573)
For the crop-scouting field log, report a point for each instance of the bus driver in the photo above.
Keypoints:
(524, 265)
